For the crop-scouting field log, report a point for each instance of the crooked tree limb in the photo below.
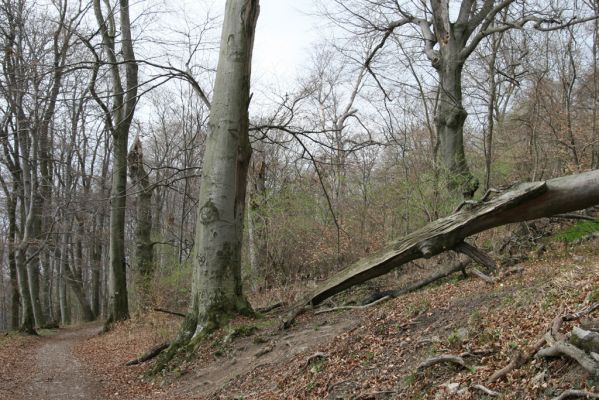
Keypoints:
(457, 267)
(477, 255)
(153, 352)
(525, 202)
(162, 310)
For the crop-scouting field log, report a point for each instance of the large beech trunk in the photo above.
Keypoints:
(525, 202)
(217, 290)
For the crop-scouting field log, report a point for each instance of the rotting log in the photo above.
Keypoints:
(525, 202)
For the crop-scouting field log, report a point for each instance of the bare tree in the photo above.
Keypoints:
(118, 119)
(448, 42)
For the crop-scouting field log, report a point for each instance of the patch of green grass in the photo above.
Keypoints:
(317, 365)
(508, 300)
(414, 310)
(576, 231)
(594, 296)
(454, 339)
(369, 358)
(410, 379)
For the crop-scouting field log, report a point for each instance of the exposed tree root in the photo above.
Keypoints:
(553, 337)
(445, 358)
(576, 393)
(486, 391)
(563, 348)
(517, 269)
(178, 346)
(518, 359)
(581, 313)
(29, 331)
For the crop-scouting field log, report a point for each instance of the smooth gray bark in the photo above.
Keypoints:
(217, 290)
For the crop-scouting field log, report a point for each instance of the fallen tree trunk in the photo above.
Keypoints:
(525, 202)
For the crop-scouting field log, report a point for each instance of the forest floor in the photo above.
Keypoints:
(370, 353)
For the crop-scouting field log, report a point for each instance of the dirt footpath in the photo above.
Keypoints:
(57, 373)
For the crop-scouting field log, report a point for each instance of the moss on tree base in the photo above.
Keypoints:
(195, 330)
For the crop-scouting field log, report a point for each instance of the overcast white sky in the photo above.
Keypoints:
(284, 36)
